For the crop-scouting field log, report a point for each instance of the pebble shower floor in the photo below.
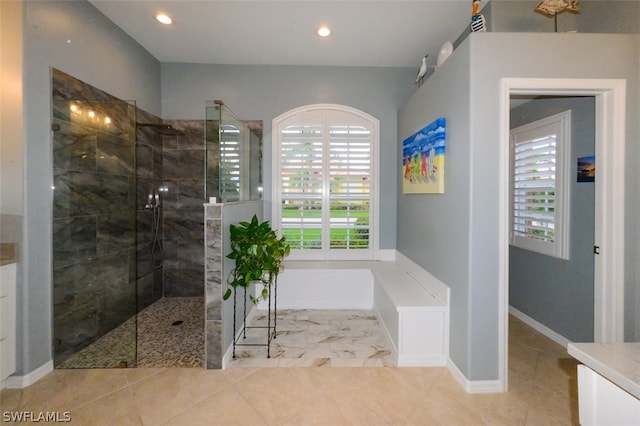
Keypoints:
(160, 343)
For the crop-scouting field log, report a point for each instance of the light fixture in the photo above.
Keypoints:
(163, 18)
(324, 31)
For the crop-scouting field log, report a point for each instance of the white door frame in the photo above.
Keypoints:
(610, 114)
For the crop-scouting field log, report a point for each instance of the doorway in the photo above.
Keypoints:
(609, 97)
(552, 233)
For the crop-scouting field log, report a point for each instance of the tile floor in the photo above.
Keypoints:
(542, 391)
(316, 337)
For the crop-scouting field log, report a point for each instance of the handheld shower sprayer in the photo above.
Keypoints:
(154, 200)
(153, 204)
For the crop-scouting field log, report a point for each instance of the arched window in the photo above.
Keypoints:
(325, 168)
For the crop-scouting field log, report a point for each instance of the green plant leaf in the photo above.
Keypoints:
(227, 294)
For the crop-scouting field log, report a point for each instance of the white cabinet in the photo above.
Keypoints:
(7, 320)
(608, 383)
(601, 402)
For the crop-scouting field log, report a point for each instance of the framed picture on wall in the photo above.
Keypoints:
(587, 169)
(423, 155)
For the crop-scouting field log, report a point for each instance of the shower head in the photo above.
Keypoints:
(163, 129)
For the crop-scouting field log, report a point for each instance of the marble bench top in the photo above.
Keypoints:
(617, 362)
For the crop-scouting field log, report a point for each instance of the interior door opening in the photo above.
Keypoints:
(610, 114)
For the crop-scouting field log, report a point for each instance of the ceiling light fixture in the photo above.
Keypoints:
(164, 18)
(324, 31)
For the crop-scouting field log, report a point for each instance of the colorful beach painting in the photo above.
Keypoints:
(423, 155)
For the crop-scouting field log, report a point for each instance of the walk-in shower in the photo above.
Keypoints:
(128, 224)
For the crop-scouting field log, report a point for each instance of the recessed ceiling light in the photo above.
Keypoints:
(324, 31)
(164, 18)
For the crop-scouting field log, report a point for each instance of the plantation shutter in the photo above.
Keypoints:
(230, 162)
(540, 157)
(534, 189)
(349, 186)
(301, 183)
(325, 184)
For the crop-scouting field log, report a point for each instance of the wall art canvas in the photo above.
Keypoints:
(587, 169)
(423, 155)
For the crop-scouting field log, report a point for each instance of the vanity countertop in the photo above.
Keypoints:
(8, 253)
(617, 362)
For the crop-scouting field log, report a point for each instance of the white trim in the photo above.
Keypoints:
(386, 255)
(19, 382)
(609, 270)
(473, 386)
(541, 328)
(610, 97)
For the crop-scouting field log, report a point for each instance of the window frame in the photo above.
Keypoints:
(560, 125)
(327, 253)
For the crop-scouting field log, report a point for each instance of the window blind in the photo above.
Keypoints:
(534, 189)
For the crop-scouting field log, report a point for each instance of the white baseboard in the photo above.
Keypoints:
(474, 386)
(19, 382)
(558, 338)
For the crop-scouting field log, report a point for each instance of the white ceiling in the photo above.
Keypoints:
(378, 33)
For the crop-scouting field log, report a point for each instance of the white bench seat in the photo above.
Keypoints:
(412, 315)
(404, 291)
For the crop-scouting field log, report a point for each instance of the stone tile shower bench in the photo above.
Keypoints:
(409, 302)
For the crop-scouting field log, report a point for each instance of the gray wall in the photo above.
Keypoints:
(264, 92)
(556, 292)
(455, 235)
(73, 37)
(572, 56)
(433, 229)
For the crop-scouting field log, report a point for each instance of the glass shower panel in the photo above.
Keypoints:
(233, 168)
(94, 228)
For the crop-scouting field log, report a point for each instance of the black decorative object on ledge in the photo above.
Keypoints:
(258, 254)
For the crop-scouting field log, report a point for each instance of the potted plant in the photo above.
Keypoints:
(258, 254)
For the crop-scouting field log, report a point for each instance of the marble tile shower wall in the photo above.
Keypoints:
(213, 289)
(183, 174)
(93, 226)
(149, 167)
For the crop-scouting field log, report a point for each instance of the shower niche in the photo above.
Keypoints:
(233, 169)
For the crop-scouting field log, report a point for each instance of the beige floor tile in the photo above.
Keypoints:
(323, 410)
(134, 375)
(277, 393)
(375, 396)
(226, 408)
(10, 399)
(173, 390)
(117, 408)
(542, 391)
(64, 390)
